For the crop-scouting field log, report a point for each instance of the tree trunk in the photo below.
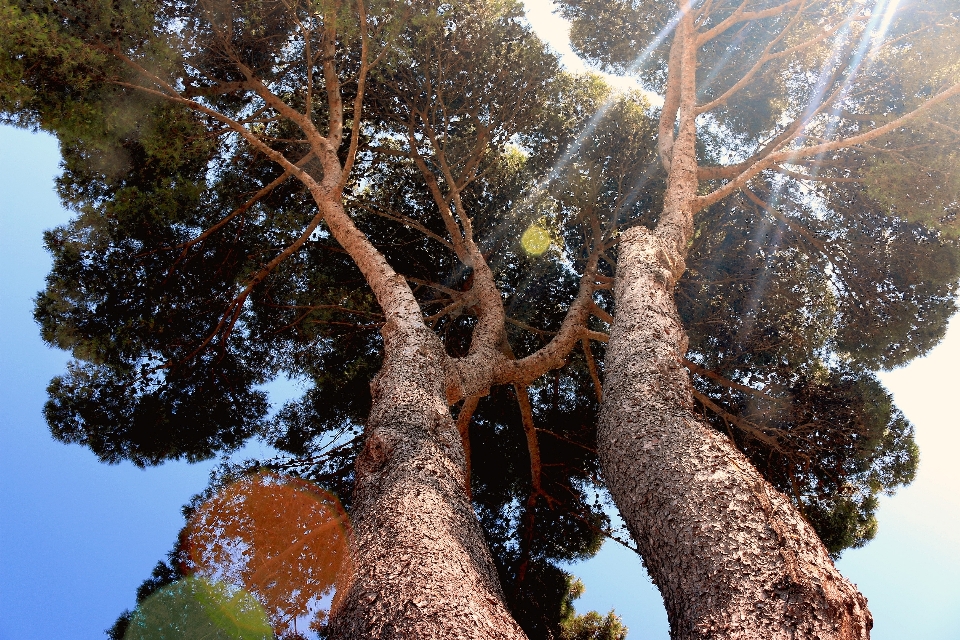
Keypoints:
(421, 568)
(731, 556)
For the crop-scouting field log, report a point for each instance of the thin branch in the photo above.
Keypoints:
(748, 428)
(463, 426)
(358, 100)
(530, 431)
(245, 206)
(599, 336)
(592, 366)
(716, 377)
(405, 221)
(565, 439)
(740, 15)
(599, 312)
(804, 152)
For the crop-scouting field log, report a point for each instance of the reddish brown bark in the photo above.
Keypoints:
(422, 565)
(731, 555)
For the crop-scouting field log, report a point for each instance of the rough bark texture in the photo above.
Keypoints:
(730, 554)
(421, 565)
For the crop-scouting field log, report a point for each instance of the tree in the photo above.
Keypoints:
(162, 98)
(790, 84)
(243, 173)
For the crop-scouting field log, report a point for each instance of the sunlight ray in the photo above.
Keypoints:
(571, 152)
(720, 65)
(871, 34)
(871, 39)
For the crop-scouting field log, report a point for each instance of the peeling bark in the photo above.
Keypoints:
(421, 565)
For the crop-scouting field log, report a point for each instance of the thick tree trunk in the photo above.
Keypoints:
(730, 554)
(421, 565)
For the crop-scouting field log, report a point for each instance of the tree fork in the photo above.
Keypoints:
(421, 568)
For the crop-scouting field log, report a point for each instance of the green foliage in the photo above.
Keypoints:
(591, 625)
(165, 573)
(613, 34)
(767, 309)
(800, 302)
(851, 271)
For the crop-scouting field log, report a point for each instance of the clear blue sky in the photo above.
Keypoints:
(77, 537)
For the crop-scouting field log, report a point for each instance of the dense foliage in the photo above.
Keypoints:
(793, 297)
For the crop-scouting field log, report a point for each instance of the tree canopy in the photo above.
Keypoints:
(198, 266)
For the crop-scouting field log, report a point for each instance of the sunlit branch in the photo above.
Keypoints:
(453, 229)
(601, 313)
(322, 146)
(553, 355)
(767, 57)
(676, 224)
(790, 133)
(671, 103)
(455, 186)
(358, 100)
(599, 336)
(874, 133)
(331, 80)
(740, 15)
(491, 316)
(463, 426)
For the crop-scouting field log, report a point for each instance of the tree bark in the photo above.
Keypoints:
(731, 555)
(421, 568)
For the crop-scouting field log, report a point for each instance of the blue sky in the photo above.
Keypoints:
(77, 537)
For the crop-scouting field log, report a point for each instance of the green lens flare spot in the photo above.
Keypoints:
(535, 240)
(196, 608)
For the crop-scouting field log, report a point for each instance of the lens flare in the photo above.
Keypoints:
(196, 608)
(535, 240)
(282, 539)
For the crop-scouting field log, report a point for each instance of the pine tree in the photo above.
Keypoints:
(413, 194)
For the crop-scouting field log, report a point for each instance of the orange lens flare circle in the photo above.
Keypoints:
(282, 539)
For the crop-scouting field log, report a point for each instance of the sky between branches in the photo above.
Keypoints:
(77, 537)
